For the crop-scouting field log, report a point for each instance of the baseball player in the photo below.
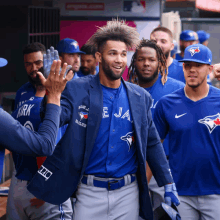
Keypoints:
(43, 141)
(88, 61)
(187, 38)
(33, 60)
(203, 37)
(164, 38)
(191, 117)
(69, 53)
(108, 140)
(147, 62)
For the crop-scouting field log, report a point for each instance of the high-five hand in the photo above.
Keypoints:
(49, 57)
(56, 82)
(216, 71)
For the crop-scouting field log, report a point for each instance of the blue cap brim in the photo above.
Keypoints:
(3, 62)
(193, 60)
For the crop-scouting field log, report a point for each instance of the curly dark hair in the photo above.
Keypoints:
(132, 76)
(89, 50)
(116, 30)
(34, 47)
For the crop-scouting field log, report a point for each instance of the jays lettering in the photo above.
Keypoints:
(121, 114)
(25, 110)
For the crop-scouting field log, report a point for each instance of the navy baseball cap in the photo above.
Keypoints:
(188, 35)
(68, 45)
(197, 53)
(203, 36)
(3, 62)
(165, 212)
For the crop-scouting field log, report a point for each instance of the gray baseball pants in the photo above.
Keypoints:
(96, 203)
(199, 207)
(47, 211)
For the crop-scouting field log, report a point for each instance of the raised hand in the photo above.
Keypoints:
(216, 71)
(49, 57)
(56, 81)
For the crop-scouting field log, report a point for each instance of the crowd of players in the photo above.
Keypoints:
(184, 108)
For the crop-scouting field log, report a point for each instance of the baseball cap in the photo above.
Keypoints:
(3, 62)
(68, 45)
(203, 36)
(197, 53)
(175, 49)
(165, 212)
(188, 35)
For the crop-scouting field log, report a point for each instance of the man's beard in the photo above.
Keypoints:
(182, 48)
(167, 54)
(35, 81)
(109, 73)
(195, 86)
(146, 79)
(87, 71)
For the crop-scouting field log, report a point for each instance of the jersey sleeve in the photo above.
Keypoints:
(20, 139)
(160, 120)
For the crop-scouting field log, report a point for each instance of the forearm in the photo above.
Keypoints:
(53, 99)
(17, 138)
(149, 173)
(159, 166)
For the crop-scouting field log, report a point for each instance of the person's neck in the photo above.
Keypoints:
(195, 94)
(169, 61)
(147, 84)
(106, 81)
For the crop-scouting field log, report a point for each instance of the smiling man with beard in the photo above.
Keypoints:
(164, 38)
(110, 135)
(147, 69)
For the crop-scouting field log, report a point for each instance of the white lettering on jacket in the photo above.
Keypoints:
(44, 172)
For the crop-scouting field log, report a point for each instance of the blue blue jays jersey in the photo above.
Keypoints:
(114, 151)
(193, 129)
(178, 57)
(159, 90)
(175, 71)
(28, 115)
(24, 93)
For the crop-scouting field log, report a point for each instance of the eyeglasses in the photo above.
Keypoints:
(37, 63)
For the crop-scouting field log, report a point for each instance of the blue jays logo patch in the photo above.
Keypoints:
(75, 44)
(211, 122)
(194, 50)
(129, 138)
(83, 115)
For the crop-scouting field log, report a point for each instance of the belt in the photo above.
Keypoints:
(110, 184)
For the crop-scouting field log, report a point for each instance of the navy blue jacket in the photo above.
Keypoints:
(17, 138)
(60, 174)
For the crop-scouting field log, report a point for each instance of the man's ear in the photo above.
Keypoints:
(172, 46)
(210, 69)
(98, 57)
